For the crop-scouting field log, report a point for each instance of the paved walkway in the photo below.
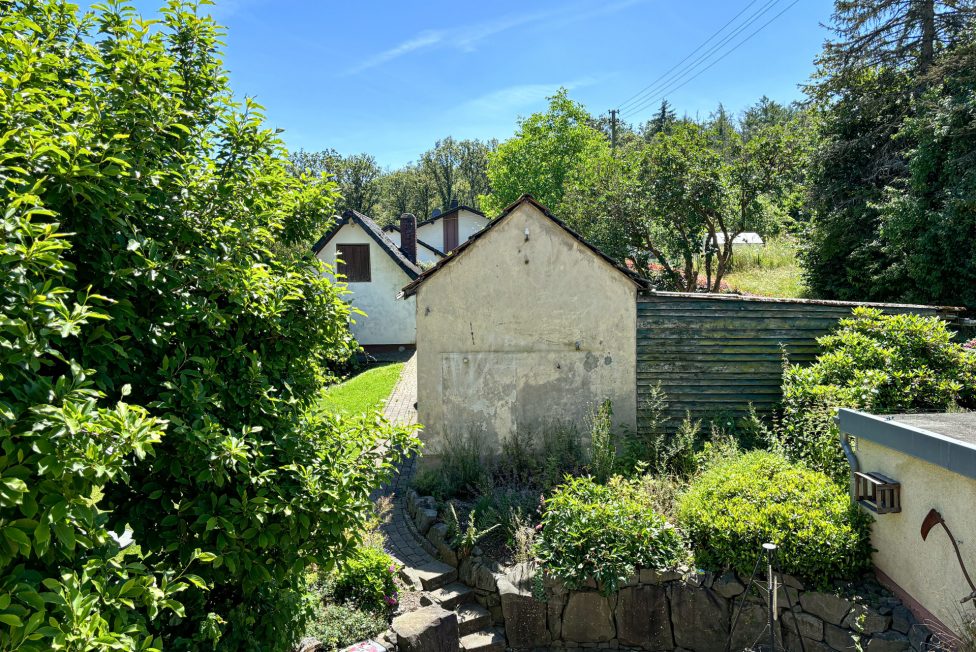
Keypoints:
(401, 408)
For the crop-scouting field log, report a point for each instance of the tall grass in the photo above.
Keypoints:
(769, 270)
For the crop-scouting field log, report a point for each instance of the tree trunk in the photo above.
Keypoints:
(926, 17)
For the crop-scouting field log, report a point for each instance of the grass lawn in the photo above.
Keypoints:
(363, 392)
(786, 281)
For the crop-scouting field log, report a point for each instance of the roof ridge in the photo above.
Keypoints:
(375, 231)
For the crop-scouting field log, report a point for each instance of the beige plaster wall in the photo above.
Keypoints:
(520, 333)
(468, 224)
(388, 320)
(927, 570)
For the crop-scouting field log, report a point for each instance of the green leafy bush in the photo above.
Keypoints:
(604, 532)
(875, 362)
(338, 626)
(163, 337)
(759, 497)
(367, 579)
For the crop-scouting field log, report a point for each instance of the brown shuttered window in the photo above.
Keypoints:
(450, 232)
(353, 262)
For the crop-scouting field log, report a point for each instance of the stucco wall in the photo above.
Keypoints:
(468, 224)
(388, 320)
(518, 333)
(927, 570)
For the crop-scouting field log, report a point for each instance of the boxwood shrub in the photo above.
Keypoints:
(758, 497)
(604, 532)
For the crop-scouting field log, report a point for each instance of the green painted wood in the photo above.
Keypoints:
(716, 355)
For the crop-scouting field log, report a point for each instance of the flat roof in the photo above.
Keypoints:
(946, 439)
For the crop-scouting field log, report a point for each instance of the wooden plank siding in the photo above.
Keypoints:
(714, 354)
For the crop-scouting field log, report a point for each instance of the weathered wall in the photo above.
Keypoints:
(468, 224)
(516, 334)
(927, 570)
(717, 353)
(388, 320)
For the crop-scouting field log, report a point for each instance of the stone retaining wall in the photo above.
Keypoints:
(673, 610)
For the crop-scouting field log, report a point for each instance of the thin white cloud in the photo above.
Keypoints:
(504, 101)
(466, 38)
(423, 40)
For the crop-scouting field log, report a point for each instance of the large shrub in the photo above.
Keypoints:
(160, 345)
(758, 497)
(604, 532)
(879, 363)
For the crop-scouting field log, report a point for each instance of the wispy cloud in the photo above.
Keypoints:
(466, 38)
(504, 101)
(423, 40)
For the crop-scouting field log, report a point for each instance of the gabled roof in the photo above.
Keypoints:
(412, 287)
(387, 229)
(462, 207)
(373, 230)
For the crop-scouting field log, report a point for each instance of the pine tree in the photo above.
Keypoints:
(662, 122)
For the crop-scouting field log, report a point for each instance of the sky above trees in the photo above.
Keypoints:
(391, 78)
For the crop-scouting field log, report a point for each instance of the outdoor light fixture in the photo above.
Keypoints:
(877, 492)
(526, 234)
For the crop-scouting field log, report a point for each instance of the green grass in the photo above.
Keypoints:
(770, 270)
(362, 393)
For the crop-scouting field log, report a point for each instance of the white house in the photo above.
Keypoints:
(524, 326)
(375, 263)
(442, 232)
(374, 269)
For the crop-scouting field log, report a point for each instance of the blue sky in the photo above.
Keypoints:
(389, 78)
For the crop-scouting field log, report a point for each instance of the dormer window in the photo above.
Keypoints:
(353, 262)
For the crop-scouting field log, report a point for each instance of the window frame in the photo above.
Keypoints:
(344, 266)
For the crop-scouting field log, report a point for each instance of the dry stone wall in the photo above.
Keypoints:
(680, 610)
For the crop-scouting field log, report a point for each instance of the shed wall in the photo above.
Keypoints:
(519, 333)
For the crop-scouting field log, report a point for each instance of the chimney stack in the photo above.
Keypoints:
(408, 236)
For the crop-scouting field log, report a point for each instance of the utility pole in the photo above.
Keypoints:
(613, 129)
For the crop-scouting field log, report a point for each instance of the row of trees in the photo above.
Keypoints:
(893, 181)
(452, 170)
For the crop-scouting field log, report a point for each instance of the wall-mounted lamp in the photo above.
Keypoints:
(526, 234)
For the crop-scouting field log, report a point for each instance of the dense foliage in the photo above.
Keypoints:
(892, 220)
(604, 532)
(738, 504)
(160, 347)
(875, 362)
(368, 579)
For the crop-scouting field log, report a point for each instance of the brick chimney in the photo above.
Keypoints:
(408, 236)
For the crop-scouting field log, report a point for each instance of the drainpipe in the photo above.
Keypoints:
(845, 444)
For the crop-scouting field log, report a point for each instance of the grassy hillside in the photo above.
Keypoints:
(770, 270)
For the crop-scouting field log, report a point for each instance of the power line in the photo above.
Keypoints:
(700, 46)
(705, 56)
(668, 91)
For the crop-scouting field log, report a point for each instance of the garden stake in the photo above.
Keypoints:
(796, 622)
(769, 548)
(742, 599)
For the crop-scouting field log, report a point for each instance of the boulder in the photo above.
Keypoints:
(525, 617)
(865, 620)
(840, 639)
(700, 618)
(587, 619)
(901, 619)
(430, 629)
(919, 636)
(826, 606)
(890, 641)
(484, 579)
(751, 627)
(810, 627)
(644, 618)
(652, 576)
(728, 586)
(424, 519)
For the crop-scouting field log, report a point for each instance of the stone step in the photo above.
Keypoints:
(452, 595)
(429, 576)
(472, 617)
(485, 640)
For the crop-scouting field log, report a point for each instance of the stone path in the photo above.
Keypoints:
(401, 408)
